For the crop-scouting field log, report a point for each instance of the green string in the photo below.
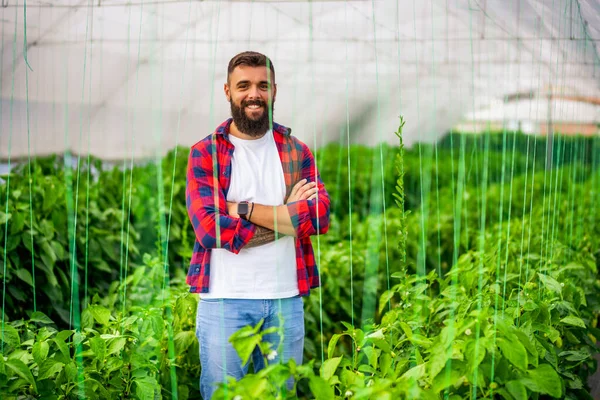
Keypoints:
(132, 127)
(12, 96)
(561, 166)
(318, 236)
(90, 16)
(75, 310)
(124, 169)
(524, 214)
(481, 271)
(29, 178)
(381, 162)
(435, 151)
(349, 161)
(166, 302)
(459, 196)
(216, 192)
(558, 170)
(545, 201)
(89, 166)
(534, 161)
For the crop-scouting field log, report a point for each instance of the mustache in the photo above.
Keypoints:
(257, 102)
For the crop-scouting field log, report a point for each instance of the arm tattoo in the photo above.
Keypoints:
(262, 236)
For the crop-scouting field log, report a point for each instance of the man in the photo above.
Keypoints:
(254, 198)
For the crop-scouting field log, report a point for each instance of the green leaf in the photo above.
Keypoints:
(91, 386)
(543, 379)
(10, 336)
(98, 346)
(116, 345)
(49, 368)
(415, 373)
(517, 390)
(332, 344)
(47, 229)
(550, 283)
(145, 388)
(62, 347)
(329, 366)
(437, 360)
(245, 342)
(51, 278)
(320, 388)
(526, 342)
(420, 340)
(17, 223)
(530, 306)
(100, 314)
(71, 371)
(183, 340)
(64, 335)
(475, 353)
(4, 217)
(25, 276)
(38, 316)
(40, 351)
(445, 379)
(514, 352)
(14, 241)
(19, 368)
(406, 329)
(573, 320)
(575, 355)
(384, 299)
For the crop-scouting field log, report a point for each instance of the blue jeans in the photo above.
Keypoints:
(218, 319)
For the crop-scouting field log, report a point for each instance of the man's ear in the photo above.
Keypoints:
(227, 92)
(274, 92)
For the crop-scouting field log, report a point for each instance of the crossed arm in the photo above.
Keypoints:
(274, 222)
(215, 221)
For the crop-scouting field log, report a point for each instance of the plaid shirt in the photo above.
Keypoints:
(208, 179)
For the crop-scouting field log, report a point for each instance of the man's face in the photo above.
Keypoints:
(251, 93)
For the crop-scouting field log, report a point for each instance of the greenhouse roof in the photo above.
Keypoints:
(133, 78)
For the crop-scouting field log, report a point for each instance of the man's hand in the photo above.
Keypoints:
(303, 190)
(232, 208)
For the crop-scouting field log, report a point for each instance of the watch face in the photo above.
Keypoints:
(242, 208)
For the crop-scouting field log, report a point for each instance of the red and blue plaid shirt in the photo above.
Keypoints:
(208, 179)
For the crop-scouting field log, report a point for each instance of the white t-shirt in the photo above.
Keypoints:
(267, 271)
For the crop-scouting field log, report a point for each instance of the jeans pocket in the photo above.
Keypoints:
(210, 300)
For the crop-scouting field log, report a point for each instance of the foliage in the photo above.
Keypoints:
(487, 283)
(145, 350)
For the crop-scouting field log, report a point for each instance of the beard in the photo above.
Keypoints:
(248, 125)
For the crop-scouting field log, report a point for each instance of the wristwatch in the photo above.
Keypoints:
(243, 209)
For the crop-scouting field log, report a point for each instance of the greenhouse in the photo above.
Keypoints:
(300, 199)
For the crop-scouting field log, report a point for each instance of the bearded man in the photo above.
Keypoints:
(254, 198)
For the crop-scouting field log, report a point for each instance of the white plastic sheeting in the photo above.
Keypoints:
(132, 78)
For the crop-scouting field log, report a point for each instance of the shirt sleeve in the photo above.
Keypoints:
(207, 206)
(310, 217)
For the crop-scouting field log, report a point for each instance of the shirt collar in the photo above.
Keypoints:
(223, 129)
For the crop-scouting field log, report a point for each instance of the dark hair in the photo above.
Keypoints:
(251, 59)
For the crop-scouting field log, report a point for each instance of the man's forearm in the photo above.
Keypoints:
(262, 236)
(274, 218)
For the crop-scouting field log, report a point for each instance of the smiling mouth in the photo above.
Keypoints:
(254, 107)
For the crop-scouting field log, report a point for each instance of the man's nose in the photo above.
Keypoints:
(253, 93)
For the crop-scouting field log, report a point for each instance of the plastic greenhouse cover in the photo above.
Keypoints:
(133, 78)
